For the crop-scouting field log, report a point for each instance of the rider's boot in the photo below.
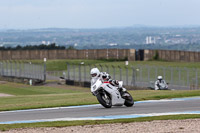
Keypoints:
(122, 92)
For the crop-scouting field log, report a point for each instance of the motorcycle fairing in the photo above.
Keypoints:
(114, 93)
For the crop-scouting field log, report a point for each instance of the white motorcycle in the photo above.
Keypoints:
(163, 86)
(109, 95)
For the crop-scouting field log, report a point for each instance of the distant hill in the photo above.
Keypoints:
(137, 37)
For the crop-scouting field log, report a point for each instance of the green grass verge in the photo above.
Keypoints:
(94, 122)
(16, 89)
(26, 97)
(29, 97)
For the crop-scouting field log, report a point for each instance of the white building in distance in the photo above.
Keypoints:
(150, 40)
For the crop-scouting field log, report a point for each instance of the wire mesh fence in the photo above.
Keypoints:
(142, 76)
(22, 70)
(177, 77)
(82, 73)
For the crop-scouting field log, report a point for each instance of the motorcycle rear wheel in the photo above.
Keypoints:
(129, 102)
(104, 101)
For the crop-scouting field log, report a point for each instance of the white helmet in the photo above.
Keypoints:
(94, 72)
(159, 77)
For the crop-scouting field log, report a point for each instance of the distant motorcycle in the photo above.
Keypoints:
(109, 95)
(163, 87)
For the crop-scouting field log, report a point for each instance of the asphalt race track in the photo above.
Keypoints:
(94, 112)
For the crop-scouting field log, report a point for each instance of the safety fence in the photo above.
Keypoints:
(19, 69)
(137, 75)
(141, 76)
(177, 77)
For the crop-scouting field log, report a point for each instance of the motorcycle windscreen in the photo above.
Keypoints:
(95, 85)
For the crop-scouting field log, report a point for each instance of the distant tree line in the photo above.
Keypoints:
(52, 46)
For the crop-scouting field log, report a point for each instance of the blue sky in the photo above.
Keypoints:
(30, 14)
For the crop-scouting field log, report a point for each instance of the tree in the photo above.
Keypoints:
(156, 56)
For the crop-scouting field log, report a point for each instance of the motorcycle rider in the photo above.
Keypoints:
(160, 84)
(104, 76)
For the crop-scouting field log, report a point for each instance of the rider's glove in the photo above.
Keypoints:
(116, 82)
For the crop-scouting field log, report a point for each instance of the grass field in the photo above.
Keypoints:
(27, 97)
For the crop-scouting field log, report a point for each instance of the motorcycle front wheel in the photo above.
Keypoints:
(129, 102)
(104, 100)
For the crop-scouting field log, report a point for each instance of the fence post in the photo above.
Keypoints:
(164, 73)
(45, 69)
(148, 68)
(90, 67)
(30, 68)
(35, 70)
(101, 68)
(179, 76)
(32, 71)
(156, 72)
(68, 71)
(11, 68)
(196, 71)
(7, 68)
(126, 75)
(24, 69)
(74, 67)
(188, 76)
(141, 71)
(39, 70)
(133, 82)
(15, 67)
(113, 71)
(89, 70)
(120, 74)
(2, 68)
(20, 69)
(107, 69)
(79, 66)
(84, 73)
(171, 76)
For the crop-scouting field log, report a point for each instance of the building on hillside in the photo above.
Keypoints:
(150, 40)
